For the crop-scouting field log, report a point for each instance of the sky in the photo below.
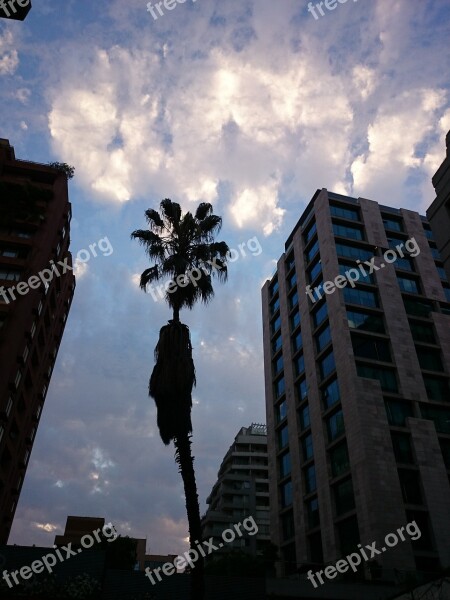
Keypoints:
(250, 105)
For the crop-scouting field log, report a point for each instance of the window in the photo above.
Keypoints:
(410, 484)
(402, 447)
(283, 437)
(290, 262)
(398, 411)
(303, 415)
(302, 390)
(9, 275)
(440, 416)
(314, 270)
(394, 241)
(293, 300)
(289, 559)
(418, 308)
(297, 342)
(292, 280)
(320, 314)
(312, 251)
(343, 497)
(275, 325)
(339, 459)
(348, 534)
(362, 297)
(365, 321)
(435, 253)
(285, 464)
(312, 509)
(406, 264)
(9, 252)
(429, 359)
(437, 389)
(371, 348)
(447, 295)
(408, 285)
(278, 365)
(307, 447)
(344, 213)
(392, 224)
(428, 233)
(276, 343)
(330, 394)
(323, 338)
(287, 525)
(279, 387)
(273, 288)
(368, 278)
(299, 364)
(310, 479)
(422, 332)
(386, 377)
(347, 231)
(442, 273)
(280, 411)
(353, 252)
(275, 305)
(335, 425)
(327, 365)
(295, 320)
(315, 548)
(286, 494)
(308, 235)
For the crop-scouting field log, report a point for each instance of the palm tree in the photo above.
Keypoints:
(184, 252)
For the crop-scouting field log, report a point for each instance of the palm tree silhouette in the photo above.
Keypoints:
(184, 252)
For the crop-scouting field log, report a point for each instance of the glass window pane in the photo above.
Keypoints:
(299, 364)
(323, 338)
(330, 394)
(310, 233)
(293, 300)
(285, 464)
(402, 447)
(398, 412)
(354, 233)
(276, 324)
(344, 497)
(286, 494)
(281, 411)
(365, 321)
(410, 485)
(327, 365)
(273, 288)
(386, 377)
(310, 479)
(295, 320)
(437, 389)
(362, 297)
(419, 308)
(429, 359)
(371, 348)
(320, 314)
(335, 425)
(422, 332)
(292, 280)
(307, 447)
(339, 460)
(278, 365)
(302, 390)
(312, 509)
(404, 263)
(287, 525)
(274, 306)
(367, 278)
(297, 341)
(283, 437)
(440, 416)
(392, 224)
(408, 285)
(276, 344)
(279, 387)
(312, 251)
(304, 417)
(353, 252)
(314, 271)
(344, 213)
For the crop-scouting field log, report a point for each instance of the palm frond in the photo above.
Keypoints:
(153, 218)
(203, 210)
(171, 210)
(149, 275)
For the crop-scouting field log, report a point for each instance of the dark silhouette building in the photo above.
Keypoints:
(357, 388)
(36, 290)
(439, 211)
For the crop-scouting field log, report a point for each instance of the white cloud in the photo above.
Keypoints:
(9, 57)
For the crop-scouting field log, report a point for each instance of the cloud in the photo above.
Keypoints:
(9, 57)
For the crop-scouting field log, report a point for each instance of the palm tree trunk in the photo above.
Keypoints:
(186, 462)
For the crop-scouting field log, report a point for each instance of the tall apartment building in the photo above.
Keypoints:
(241, 490)
(357, 388)
(439, 211)
(34, 229)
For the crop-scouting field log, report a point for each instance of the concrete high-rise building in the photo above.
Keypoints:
(439, 211)
(357, 387)
(35, 297)
(241, 490)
